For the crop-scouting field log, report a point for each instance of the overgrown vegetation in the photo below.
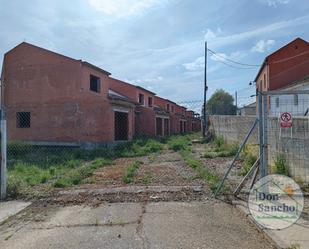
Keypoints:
(203, 172)
(130, 171)
(249, 155)
(280, 165)
(30, 165)
(178, 143)
(220, 148)
(22, 177)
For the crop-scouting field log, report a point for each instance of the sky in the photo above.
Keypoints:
(159, 44)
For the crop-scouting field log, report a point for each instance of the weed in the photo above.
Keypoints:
(178, 143)
(130, 171)
(281, 166)
(146, 180)
(203, 172)
(219, 141)
(249, 156)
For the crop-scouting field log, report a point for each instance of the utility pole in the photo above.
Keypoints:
(205, 125)
(3, 169)
(236, 103)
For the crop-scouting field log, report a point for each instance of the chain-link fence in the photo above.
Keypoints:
(286, 129)
(60, 135)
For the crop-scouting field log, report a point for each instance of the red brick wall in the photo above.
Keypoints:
(55, 89)
(283, 72)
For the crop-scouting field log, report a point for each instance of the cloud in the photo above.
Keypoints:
(263, 46)
(124, 8)
(149, 80)
(211, 35)
(199, 63)
(275, 3)
(196, 65)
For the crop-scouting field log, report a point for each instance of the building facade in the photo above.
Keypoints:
(49, 98)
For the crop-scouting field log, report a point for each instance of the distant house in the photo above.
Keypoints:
(288, 64)
(296, 104)
(247, 110)
(53, 99)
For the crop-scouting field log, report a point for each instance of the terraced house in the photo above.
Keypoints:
(50, 98)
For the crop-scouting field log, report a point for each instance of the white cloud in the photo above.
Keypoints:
(211, 35)
(123, 8)
(263, 46)
(275, 3)
(149, 80)
(199, 63)
(196, 65)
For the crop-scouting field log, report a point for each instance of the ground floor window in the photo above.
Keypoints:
(121, 126)
(23, 119)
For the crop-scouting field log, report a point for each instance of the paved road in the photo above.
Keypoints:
(209, 224)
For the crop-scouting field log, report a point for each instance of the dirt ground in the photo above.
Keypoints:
(162, 177)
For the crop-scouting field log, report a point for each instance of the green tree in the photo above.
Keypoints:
(221, 103)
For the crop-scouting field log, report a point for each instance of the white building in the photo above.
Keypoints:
(296, 104)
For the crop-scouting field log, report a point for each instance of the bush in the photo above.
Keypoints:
(178, 143)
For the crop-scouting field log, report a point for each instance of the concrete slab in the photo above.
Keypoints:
(210, 225)
(9, 208)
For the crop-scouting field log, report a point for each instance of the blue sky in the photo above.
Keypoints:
(160, 44)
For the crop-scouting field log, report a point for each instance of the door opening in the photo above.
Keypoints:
(121, 126)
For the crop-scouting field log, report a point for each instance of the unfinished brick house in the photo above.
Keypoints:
(51, 99)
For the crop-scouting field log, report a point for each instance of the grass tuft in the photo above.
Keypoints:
(130, 171)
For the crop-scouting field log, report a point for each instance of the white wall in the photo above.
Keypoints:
(286, 103)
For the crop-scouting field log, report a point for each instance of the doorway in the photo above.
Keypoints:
(121, 126)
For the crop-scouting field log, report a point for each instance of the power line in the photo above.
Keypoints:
(236, 62)
(233, 66)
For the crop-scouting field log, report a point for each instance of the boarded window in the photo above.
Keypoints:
(141, 99)
(295, 99)
(150, 102)
(95, 83)
(23, 119)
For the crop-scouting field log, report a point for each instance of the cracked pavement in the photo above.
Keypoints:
(209, 224)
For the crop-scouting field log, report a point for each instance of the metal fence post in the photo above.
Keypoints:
(261, 133)
(265, 135)
(3, 170)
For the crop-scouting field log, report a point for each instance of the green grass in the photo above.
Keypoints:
(178, 143)
(203, 172)
(22, 177)
(55, 166)
(130, 171)
(221, 149)
(280, 166)
(249, 156)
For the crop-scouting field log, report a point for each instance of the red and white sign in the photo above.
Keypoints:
(286, 120)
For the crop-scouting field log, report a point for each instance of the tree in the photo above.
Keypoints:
(221, 103)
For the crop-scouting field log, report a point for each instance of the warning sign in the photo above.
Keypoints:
(286, 120)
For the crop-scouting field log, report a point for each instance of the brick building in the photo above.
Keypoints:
(284, 66)
(50, 98)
